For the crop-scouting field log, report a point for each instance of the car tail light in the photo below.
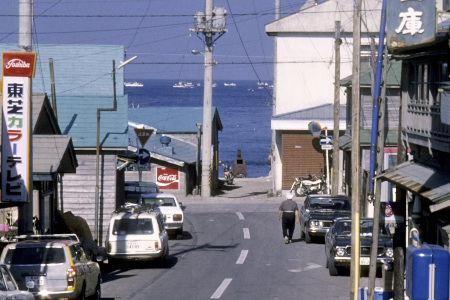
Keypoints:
(178, 217)
(157, 245)
(71, 274)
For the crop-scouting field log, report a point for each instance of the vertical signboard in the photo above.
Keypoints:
(18, 69)
(168, 178)
(410, 23)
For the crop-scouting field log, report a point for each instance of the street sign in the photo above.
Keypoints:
(143, 135)
(327, 147)
(326, 140)
(144, 156)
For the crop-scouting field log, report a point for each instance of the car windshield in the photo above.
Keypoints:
(366, 229)
(159, 201)
(35, 256)
(132, 226)
(133, 192)
(329, 203)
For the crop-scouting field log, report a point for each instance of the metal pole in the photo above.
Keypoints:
(207, 105)
(337, 109)
(197, 164)
(356, 159)
(25, 220)
(327, 164)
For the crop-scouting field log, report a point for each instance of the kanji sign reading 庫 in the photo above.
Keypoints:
(18, 68)
(410, 23)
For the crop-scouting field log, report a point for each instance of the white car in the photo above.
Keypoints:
(170, 207)
(137, 233)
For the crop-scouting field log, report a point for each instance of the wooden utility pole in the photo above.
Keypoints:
(337, 107)
(356, 160)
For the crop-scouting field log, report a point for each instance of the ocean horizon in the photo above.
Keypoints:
(245, 110)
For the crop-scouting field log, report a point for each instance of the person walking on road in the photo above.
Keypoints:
(289, 215)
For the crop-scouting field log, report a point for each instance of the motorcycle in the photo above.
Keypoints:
(311, 185)
(229, 177)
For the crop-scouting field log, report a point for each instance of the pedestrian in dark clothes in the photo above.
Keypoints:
(288, 214)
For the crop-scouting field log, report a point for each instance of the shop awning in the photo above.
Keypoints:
(422, 180)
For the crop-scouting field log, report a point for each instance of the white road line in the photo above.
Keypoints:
(240, 215)
(246, 233)
(242, 257)
(218, 293)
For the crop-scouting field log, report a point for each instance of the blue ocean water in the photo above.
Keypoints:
(245, 111)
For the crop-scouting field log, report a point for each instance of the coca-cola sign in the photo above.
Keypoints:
(19, 64)
(167, 178)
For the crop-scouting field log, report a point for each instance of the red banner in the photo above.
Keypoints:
(167, 178)
(19, 64)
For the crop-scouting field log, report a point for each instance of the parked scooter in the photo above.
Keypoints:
(311, 185)
(229, 177)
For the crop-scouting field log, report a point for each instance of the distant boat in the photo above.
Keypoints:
(229, 84)
(183, 85)
(262, 83)
(133, 84)
(214, 85)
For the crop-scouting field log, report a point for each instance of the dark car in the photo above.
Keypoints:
(338, 243)
(319, 211)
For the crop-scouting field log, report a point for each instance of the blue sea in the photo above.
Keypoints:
(245, 111)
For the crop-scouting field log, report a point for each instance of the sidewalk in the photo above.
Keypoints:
(243, 190)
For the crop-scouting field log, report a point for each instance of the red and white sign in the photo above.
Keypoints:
(167, 178)
(19, 64)
(18, 68)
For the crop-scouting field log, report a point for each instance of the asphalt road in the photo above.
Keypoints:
(232, 248)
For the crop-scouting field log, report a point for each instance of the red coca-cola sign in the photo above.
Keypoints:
(167, 178)
(19, 64)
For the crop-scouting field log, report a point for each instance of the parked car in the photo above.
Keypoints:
(53, 269)
(171, 209)
(137, 233)
(318, 213)
(338, 243)
(134, 190)
(9, 288)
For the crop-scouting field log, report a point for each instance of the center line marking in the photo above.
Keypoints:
(240, 215)
(218, 293)
(242, 257)
(246, 233)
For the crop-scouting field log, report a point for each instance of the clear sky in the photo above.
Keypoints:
(158, 32)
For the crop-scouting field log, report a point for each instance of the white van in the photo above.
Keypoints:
(137, 234)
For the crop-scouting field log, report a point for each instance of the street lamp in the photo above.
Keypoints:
(97, 169)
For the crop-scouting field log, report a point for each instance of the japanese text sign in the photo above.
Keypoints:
(18, 68)
(410, 23)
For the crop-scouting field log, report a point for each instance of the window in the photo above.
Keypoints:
(132, 226)
(35, 256)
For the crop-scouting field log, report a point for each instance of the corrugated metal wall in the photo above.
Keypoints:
(302, 155)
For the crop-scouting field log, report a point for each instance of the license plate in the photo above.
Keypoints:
(132, 246)
(36, 280)
(364, 261)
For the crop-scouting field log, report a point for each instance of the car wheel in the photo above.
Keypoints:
(308, 238)
(98, 291)
(179, 234)
(332, 269)
(82, 295)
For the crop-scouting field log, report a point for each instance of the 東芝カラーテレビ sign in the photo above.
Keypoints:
(18, 68)
(410, 23)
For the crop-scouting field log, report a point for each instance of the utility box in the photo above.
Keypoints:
(427, 272)
(240, 166)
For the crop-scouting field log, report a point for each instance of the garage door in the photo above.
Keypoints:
(301, 155)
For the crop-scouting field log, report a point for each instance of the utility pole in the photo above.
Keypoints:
(337, 107)
(25, 222)
(209, 23)
(356, 160)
